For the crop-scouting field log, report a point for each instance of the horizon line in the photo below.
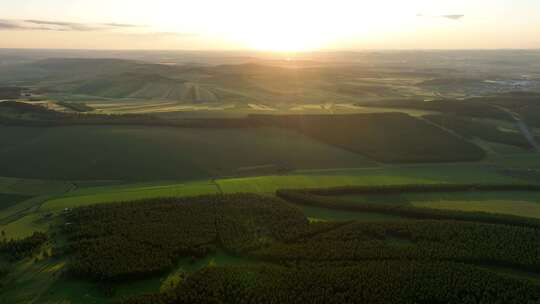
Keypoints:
(277, 52)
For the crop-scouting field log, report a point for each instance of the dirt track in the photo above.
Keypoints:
(524, 129)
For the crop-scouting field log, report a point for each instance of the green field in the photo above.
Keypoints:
(524, 204)
(25, 226)
(301, 179)
(155, 153)
(31, 187)
(30, 195)
(114, 194)
(8, 200)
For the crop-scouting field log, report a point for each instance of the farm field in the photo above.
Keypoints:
(391, 175)
(32, 187)
(525, 204)
(26, 217)
(513, 203)
(91, 196)
(142, 153)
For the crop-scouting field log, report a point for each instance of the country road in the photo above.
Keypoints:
(523, 128)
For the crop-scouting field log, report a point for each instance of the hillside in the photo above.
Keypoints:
(257, 81)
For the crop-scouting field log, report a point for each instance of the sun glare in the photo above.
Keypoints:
(283, 41)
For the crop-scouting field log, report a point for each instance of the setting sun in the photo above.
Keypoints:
(278, 25)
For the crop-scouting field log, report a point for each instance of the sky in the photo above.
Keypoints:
(270, 25)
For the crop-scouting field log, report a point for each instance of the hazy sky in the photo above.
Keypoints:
(270, 25)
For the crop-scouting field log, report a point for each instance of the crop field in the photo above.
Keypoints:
(429, 174)
(143, 153)
(518, 203)
(116, 194)
(469, 128)
(385, 137)
(524, 204)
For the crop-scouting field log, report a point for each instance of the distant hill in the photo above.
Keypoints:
(258, 81)
(249, 82)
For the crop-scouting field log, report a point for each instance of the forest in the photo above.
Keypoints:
(367, 282)
(451, 261)
(129, 240)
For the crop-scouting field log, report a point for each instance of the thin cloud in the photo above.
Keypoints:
(46, 25)
(451, 17)
(121, 25)
(62, 26)
(8, 26)
(156, 34)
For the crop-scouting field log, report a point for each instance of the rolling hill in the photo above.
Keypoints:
(247, 82)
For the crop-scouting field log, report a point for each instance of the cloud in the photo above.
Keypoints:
(61, 26)
(121, 25)
(7, 25)
(46, 25)
(133, 30)
(451, 17)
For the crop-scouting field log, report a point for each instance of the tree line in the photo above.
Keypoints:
(18, 249)
(329, 198)
(476, 243)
